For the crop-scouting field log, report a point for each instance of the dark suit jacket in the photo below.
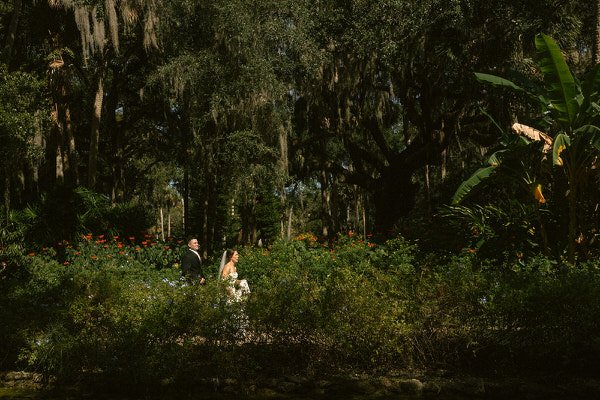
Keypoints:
(191, 266)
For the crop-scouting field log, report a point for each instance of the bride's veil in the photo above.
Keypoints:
(222, 265)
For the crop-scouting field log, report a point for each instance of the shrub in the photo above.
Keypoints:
(119, 311)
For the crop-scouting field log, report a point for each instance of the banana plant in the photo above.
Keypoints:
(569, 125)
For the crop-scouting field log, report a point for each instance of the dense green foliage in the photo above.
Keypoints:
(555, 163)
(118, 310)
(241, 122)
(325, 139)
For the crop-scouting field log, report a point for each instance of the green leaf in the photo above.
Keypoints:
(590, 87)
(561, 142)
(591, 133)
(465, 188)
(498, 81)
(563, 89)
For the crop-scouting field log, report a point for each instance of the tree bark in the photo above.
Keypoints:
(596, 50)
(325, 205)
(572, 216)
(169, 222)
(57, 148)
(186, 200)
(95, 132)
(289, 222)
(73, 160)
(12, 31)
(7, 195)
(162, 225)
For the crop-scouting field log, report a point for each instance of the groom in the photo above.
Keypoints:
(191, 263)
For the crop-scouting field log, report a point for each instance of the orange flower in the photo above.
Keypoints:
(66, 263)
(31, 254)
(144, 243)
(94, 257)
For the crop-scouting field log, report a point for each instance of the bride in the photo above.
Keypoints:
(228, 272)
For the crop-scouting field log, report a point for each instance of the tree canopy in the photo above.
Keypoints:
(252, 121)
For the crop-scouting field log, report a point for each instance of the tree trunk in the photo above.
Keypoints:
(73, 160)
(289, 222)
(325, 205)
(364, 216)
(284, 165)
(596, 50)
(7, 195)
(12, 31)
(572, 217)
(95, 132)
(427, 192)
(444, 167)
(186, 200)
(57, 144)
(162, 225)
(169, 222)
(38, 142)
(393, 198)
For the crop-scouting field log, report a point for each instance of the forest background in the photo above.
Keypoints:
(303, 130)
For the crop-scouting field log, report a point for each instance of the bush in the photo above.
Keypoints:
(119, 311)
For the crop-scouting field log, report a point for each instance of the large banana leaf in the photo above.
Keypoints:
(481, 174)
(590, 89)
(563, 89)
(503, 82)
(591, 135)
(465, 188)
(498, 81)
(561, 142)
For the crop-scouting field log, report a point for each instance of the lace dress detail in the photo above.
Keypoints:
(237, 291)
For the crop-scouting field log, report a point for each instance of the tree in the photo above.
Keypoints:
(20, 99)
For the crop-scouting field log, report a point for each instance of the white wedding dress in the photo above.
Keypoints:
(240, 290)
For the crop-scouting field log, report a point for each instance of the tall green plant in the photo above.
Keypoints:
(568, 120)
